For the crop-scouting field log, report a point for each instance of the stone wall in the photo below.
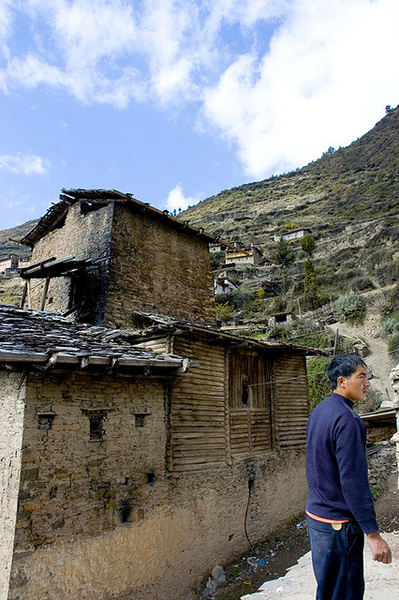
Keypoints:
(12, 392)
(84, 235)
(382, 463)
(157, 269)
(103, 518)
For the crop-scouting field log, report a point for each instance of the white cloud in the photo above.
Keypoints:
(329, 70)
(177, 201)
(24, 164)
(326, 73)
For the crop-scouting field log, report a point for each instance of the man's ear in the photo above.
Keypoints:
(340, 381)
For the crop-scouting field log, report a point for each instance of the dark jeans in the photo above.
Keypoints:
(337, 558)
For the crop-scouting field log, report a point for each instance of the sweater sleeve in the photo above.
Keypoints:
(350, 452)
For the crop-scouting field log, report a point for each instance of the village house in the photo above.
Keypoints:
(136, 433)
(246, 255)
(223, 285)
(294, 234)
(9, 265)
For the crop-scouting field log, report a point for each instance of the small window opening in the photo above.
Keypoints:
(245, 393)
(86, 206)
(150, 478)
(139, 420)
(96, 426)
(45, 420)
(125, 510)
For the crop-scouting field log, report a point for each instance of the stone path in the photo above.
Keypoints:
(382, 581)
(378, 358)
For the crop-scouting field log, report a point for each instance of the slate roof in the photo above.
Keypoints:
(151, 326)
(48, 340)
(68, 197)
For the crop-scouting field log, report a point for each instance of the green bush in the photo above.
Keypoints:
(351, 307)
(240, 298)
(308, 244)
(224, 312)
(393, 346)
(389, 326)
(319, 386)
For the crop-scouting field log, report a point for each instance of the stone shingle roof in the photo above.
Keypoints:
(29, 337)
(68, 197)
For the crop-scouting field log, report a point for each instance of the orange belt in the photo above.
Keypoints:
(332, 521)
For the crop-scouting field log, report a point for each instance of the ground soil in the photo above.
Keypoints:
(283, 549)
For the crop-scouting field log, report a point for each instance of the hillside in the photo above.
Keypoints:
(8, 247)
(359, 183)
(349, 199)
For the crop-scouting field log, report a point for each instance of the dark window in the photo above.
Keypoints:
(139, 420)
(45, 420)
(96, 425)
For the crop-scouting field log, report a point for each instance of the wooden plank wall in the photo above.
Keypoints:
(197, 419)
(291, 401)
(250, 425)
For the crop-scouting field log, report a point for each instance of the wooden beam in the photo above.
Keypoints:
(45, 290)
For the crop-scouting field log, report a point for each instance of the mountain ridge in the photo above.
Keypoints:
(366, 171)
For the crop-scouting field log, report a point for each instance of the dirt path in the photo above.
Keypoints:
(378, 358)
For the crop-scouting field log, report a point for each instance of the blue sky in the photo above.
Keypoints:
(176, 100)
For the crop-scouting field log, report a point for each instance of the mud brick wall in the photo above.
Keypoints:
(12, 391)
(84, 235)
(75, 482)
(157, 269)
(107, 519)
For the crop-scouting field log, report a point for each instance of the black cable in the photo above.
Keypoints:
(251, 481)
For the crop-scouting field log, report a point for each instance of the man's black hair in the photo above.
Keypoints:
(343, 365)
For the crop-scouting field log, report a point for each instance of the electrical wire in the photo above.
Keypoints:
(250, 486)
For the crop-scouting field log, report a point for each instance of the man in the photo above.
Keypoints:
(340, 508)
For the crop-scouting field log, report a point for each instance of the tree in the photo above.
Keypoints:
(283, 255)
(308, 244)
(311, 288)
(328, 152)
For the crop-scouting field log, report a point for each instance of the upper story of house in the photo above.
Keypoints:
(101, 255)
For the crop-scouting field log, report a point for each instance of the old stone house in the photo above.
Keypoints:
(223, 285)
(9, 265)
(130, 455)
(250, 255)
(100, 254)
(294, 234)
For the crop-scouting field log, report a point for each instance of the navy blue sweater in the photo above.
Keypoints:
(336, 464)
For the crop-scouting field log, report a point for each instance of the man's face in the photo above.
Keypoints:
(355, 387)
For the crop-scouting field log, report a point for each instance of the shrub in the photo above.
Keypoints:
(224, 312)
(393, 346)
(351, 307)
(389, 326)
(308, 244)
(319, 386)
(241, 298)
(361, 283)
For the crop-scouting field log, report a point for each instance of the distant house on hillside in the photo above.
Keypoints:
(9, 264)
(246, 255)
(292, 235)
(136, 434)
(223, 285)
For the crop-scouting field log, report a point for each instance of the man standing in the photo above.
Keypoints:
(340, 508)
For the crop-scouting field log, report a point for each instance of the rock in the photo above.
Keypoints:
(217, 578)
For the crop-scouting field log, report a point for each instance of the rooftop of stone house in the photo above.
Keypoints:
(48, 340)
(97, 197)
(151, 326)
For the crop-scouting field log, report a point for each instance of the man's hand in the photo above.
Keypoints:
(380, 551)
